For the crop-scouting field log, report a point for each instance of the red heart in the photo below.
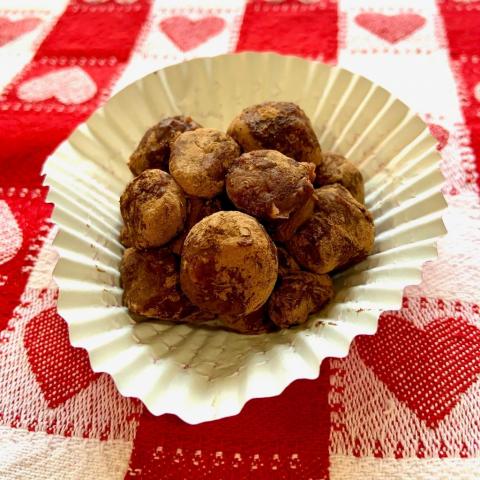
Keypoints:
(27, 225)
(440, 133)
(11, 29)
(60, 369)
(391, 28)
(427, 369)
(187, 34)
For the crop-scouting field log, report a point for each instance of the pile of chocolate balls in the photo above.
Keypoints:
(242, 228)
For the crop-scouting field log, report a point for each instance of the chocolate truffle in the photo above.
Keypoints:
(269, 185)
(296, 296)
(153, 151)
(283, 230)
(286, 263)
(200, 159)
(253, 323)
(198, 208)
(229, 264)
(125, 238)
(153, 208)
(150, 280)
(340, 232)
(337, 169)
(281, 126)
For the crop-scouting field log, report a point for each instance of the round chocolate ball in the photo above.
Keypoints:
(281, 126)
(200, 159)
(229, 264)
(340, 232)
(337, 169)
(269, 185)
(153, 151)
(153, 208)
(151, 287)
(296, 296)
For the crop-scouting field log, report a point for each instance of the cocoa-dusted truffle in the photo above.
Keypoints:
(200, 159)
(269, 185)
(253, 323)
(286, 263)
(281, 126)
(283, 230)
(153, 151)
(198, 208)
(153, 208)
(340, 232)
(296, 296)
(229, 264)
(150, 280)
(125, 238)
(337, 169)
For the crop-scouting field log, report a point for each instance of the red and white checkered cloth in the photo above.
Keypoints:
(404, 404)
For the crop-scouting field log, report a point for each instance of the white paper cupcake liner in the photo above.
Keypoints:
(203, 374)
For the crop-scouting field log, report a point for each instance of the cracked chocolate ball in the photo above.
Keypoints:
(281, 126)
(337, 169)
(198, 208)
(153, 151)
(151, 288)
(153, 208)
(268, 185)
(200, 159)
(340, 232)
(296, 296)
(229, 264)
(284, 230)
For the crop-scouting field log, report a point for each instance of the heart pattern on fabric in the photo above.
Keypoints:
(11, 236)
(427, 369)
(391, 28)
(12, 29)
(70, 86)
(188, 34)
(61, 370)
(441, 134)
(26, 216)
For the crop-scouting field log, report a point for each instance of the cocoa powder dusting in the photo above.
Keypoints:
(281, 126)
(229, 264)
